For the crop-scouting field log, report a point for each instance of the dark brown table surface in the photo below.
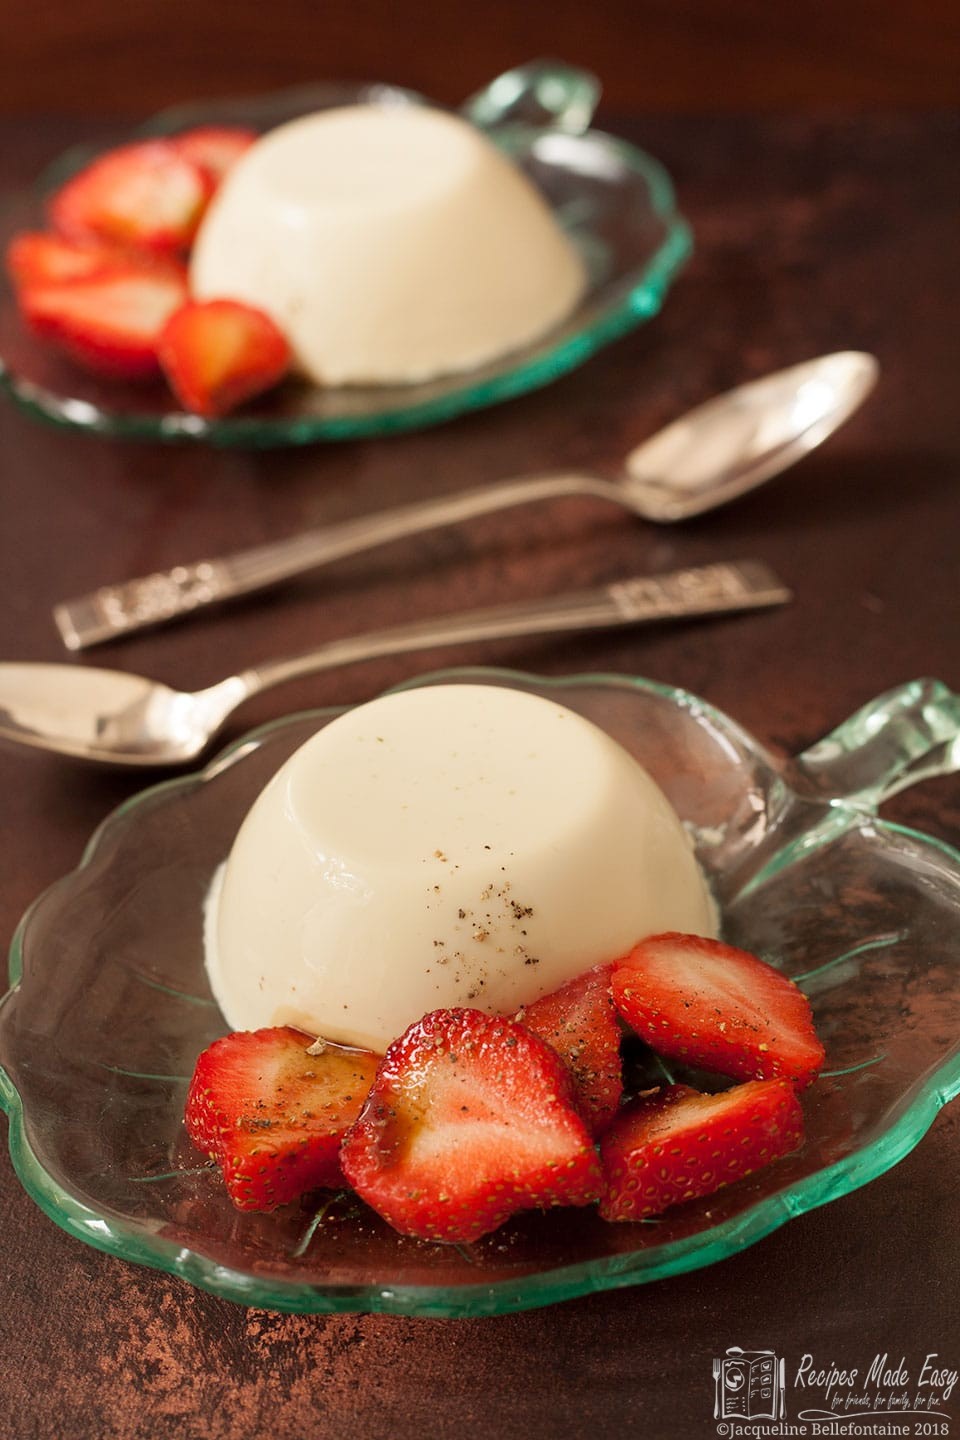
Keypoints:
(812, 235)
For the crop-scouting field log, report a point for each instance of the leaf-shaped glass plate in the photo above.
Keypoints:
(109, 1007)
(615, 202)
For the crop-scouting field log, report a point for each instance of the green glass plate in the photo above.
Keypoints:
(615, 202)
(109, 1007)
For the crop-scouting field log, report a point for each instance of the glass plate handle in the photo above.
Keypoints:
(908, 734)
(543, 93)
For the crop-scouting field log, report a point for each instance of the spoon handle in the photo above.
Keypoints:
(116, 610)
(704, 590)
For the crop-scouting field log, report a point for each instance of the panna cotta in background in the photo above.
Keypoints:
(451, 845)
(390, 244)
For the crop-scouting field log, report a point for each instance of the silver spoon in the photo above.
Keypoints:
(121, 719)
(710, 456)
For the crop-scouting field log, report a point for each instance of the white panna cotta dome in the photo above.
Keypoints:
(390, 244)
(451, 845)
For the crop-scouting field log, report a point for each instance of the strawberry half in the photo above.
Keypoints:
(272, 1115)
(471, 1118)
(713, 1006)
(109, 322)
(678, 1144)
(580, 1022)
(38, 257)
(218, 353)
(148, 195)
(215, 148)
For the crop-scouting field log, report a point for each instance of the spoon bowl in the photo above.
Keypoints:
(110, 716)
(737, 441)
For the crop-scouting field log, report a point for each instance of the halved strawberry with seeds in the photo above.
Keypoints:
(109, 322)
(148, 195)
(580, 1022)
(215, 148)
(678, 1145)
(711, 1005)
(471, 1118)
(272, 1115)
(218, 353)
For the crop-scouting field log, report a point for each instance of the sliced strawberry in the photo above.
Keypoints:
(272, 1115)
(147, 195)
(111, 322)
(471, 1118)
(580, 1022)
(713, 1006)
(218, 353)
(215, 148)
(38, 257)
(678, 1145)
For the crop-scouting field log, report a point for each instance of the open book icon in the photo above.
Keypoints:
(749, 1385)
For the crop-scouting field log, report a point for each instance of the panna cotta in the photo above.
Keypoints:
(390, 244)
(451, 845)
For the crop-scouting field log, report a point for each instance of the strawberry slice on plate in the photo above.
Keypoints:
(218, 353)
(215, 148)
(580, 1022)
(679, 1145)
(471, 1118)
(716, 1007)
(108, 322)
(39, 257)
(272, 1114)
(148, 195)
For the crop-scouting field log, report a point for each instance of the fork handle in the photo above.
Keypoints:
(704, 590)
(116, 610)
